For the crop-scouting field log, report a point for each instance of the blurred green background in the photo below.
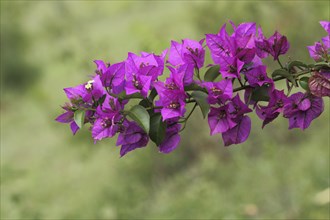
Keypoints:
(47, 173)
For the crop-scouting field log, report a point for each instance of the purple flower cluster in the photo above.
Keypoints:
(162, 112)
(320, 50)
(319, 83)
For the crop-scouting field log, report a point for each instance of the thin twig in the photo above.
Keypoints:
(186, 119)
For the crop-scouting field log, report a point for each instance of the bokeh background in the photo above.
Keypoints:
(46, 173)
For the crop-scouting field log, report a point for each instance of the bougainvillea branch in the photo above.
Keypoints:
(226, 91)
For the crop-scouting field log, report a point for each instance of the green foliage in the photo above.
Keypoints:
(303, 82)
(212, 73)
(79, 117)
(260, 93)
(285, 74)
(140, 115)
(18, 74)
(157, 129)
(201, 100)
(296, 63)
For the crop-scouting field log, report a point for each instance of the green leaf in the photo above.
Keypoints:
(284, 73)
(201, 100)
(140, 115)
(194, 87)
(260, 94)
(324, 64)
(297, 64)
(281, 72)
(212, 73)
(101, 100)
(79, 117)
(157, 129)
(303, 82)
(146, 104)
(124, 96)
(152, 94)
(321, 65)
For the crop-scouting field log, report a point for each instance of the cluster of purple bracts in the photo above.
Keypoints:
(238, 60)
